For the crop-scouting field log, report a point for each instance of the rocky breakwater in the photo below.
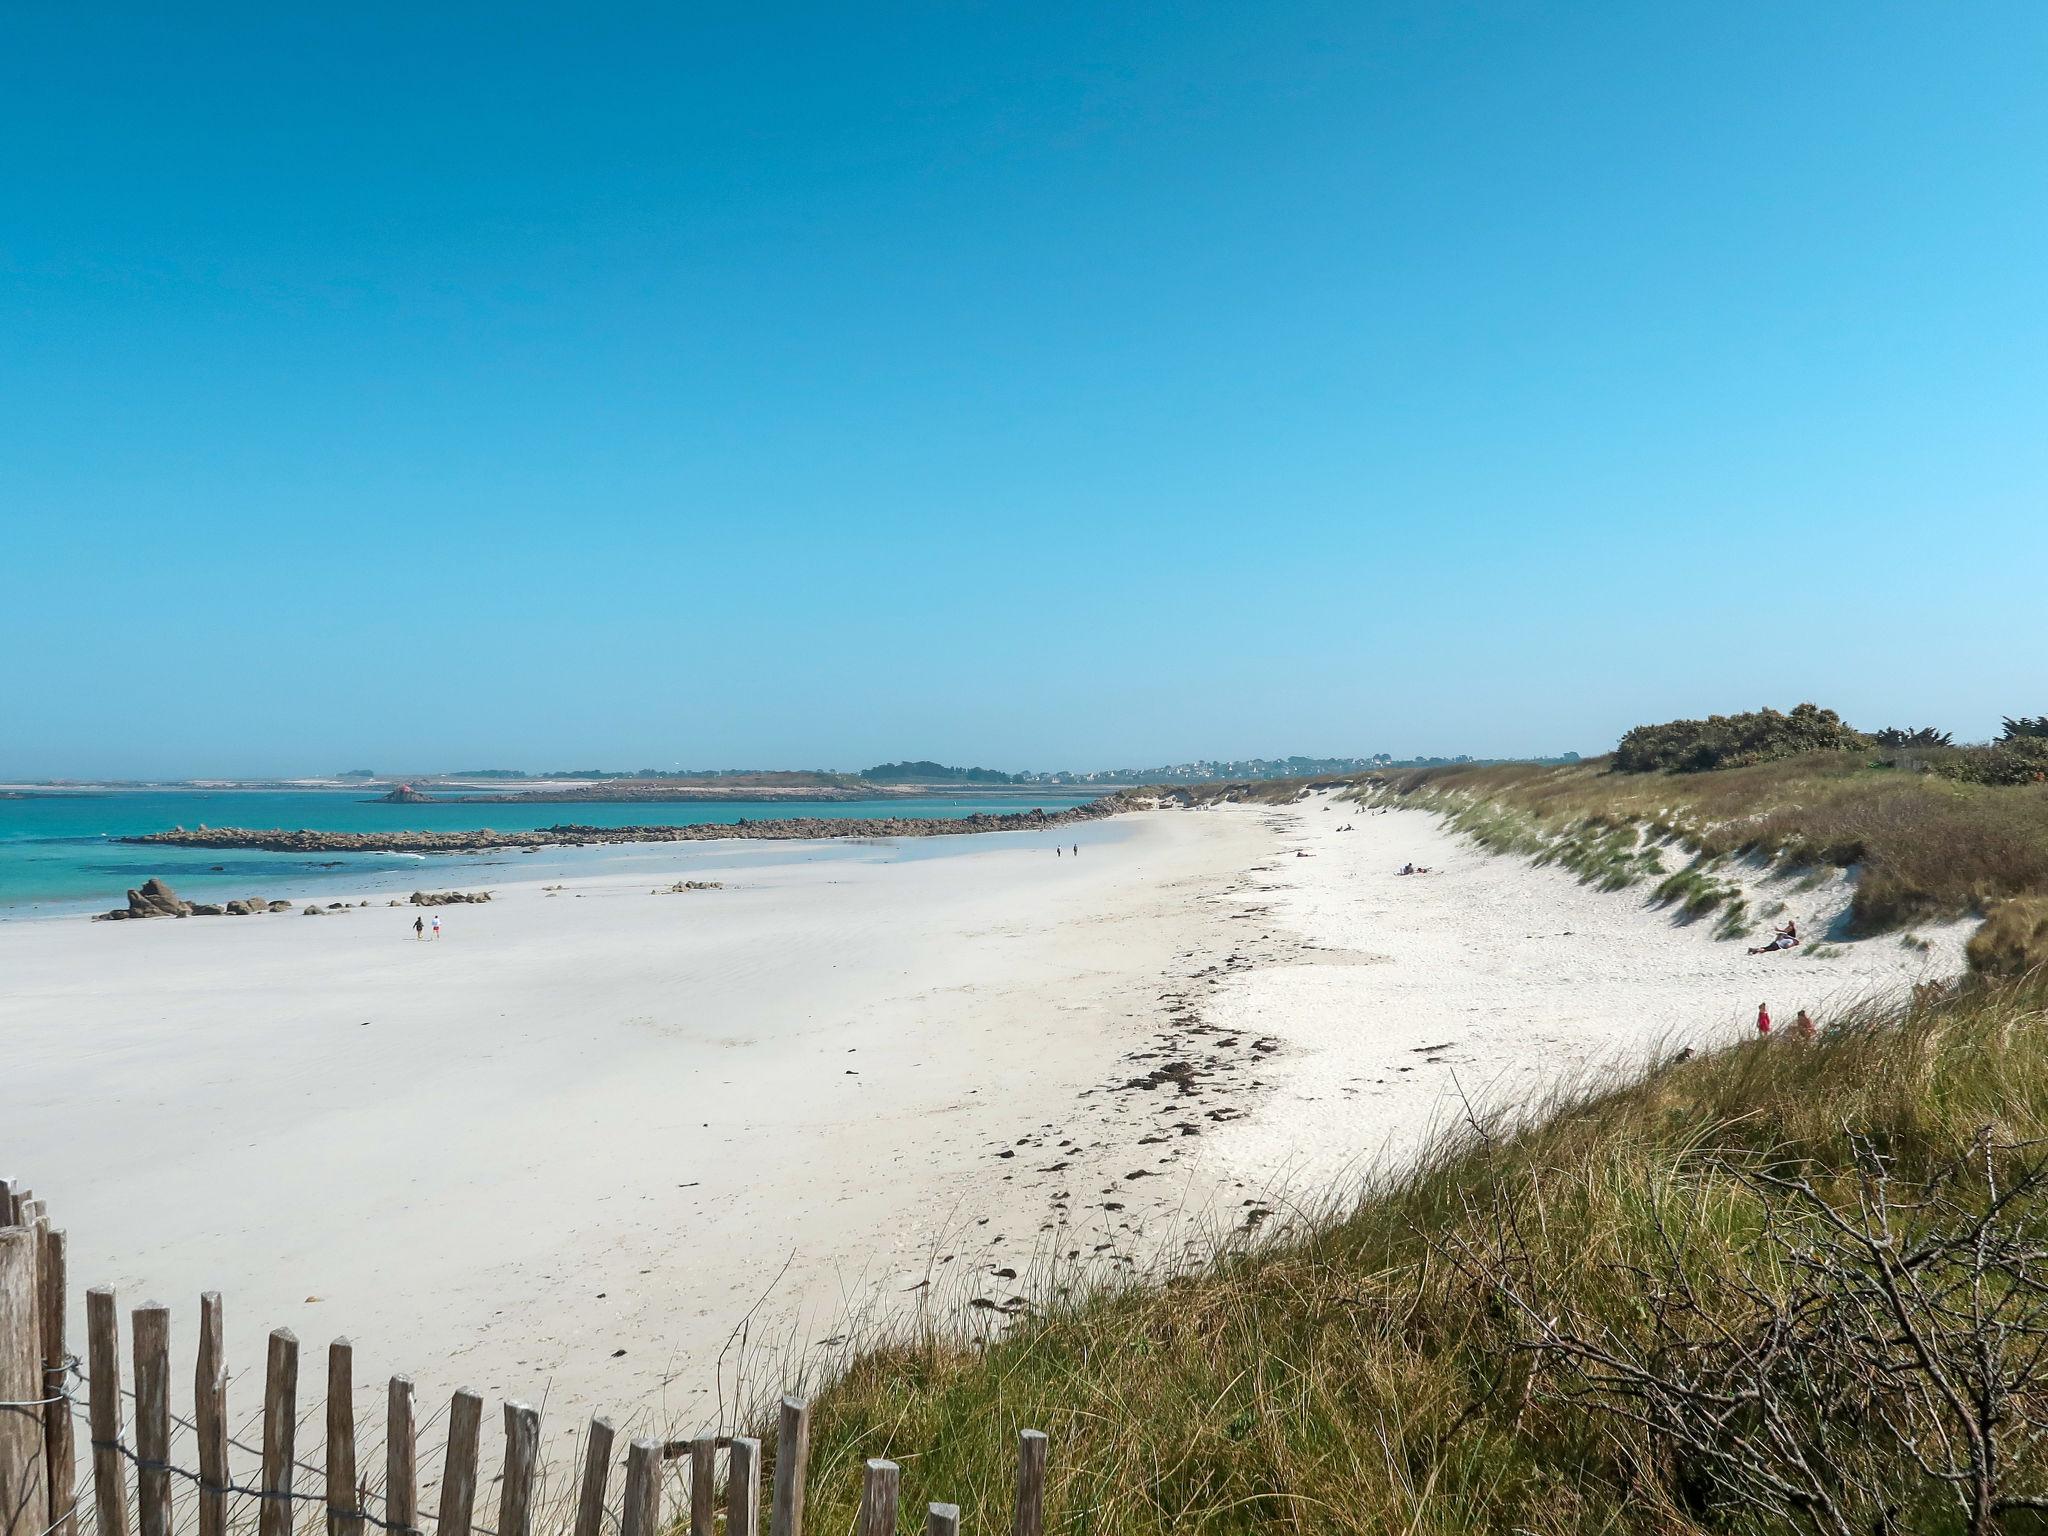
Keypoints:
(155, 899)
(571, 836)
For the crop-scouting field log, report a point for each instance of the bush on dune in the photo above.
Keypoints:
(2019, 759)
(2014, 938)
(1731, 741)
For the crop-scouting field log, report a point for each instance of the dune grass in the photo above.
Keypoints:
(1372, 1369)
(1924, 846)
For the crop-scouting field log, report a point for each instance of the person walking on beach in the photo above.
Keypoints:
(437, 925)
(419, 928)
(1077, 850)
(1763, 1019)
(1802, 1027)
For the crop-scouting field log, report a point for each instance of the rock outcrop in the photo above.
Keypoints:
(155, 899)
(573, 836)
(446, 898)
(404, 794)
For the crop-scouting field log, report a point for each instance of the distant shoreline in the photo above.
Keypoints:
(484, 839)
(654, 794)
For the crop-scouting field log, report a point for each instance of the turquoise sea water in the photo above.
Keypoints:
(57, 852)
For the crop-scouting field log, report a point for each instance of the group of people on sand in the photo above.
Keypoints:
(1803, 1027)
(419, 927)
(1059, 853)
(1413, 869)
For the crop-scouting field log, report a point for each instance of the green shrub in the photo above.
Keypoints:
(1730, 741)
(2018, 759)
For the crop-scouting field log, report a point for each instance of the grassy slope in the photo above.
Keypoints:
(1926, 846)
(1342, 1373)
(1345, 1376)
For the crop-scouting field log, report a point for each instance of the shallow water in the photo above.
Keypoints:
(58, 854)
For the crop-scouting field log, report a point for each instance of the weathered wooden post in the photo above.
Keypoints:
(703, 1486)
(743, 1487)
(280, 1431)
(210, 1416)
(458, 1472)
(792, 1463)
(151, 1323)
(597, 1471)
(522, 1455)
(942, 1520)
(641, 1513)
(60, 1456)
(401, 1480)
(881, 1483)
(1030, 1519)
(24, 1491)
(343, 1517)
(103, 1356)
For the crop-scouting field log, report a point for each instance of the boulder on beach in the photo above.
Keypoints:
(152, 899)
(447, 898)
(280, 906)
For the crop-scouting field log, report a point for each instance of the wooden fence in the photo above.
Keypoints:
(43, 1494)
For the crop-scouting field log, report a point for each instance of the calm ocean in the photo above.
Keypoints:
(57, 852)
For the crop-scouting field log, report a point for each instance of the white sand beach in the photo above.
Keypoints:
(621, 1151)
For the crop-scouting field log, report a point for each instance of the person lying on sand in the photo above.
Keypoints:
(1786, 937)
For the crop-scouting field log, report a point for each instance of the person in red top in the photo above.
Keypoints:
(1763, 1019)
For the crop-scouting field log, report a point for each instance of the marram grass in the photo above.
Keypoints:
(1345, 1373)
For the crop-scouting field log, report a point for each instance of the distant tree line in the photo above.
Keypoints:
(925, 771)
(2019, 756)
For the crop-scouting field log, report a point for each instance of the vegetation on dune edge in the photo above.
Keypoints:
(1924, 845)
(1767, 1289)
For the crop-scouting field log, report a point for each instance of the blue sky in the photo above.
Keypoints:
(1041, 386)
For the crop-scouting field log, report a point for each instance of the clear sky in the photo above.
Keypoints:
(1048, 385)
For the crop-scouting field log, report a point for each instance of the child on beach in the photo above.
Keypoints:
(1763, 1019)
(437, 925)
(419, 928)
(1803, 1027)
